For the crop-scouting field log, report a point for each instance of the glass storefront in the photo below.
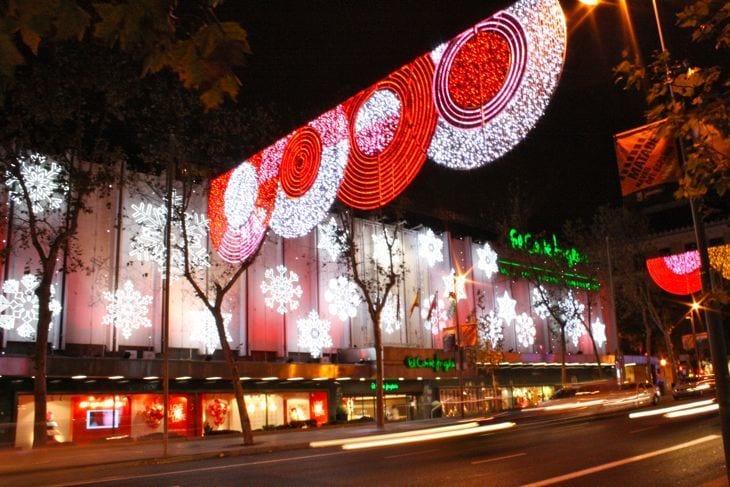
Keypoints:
(75, 418)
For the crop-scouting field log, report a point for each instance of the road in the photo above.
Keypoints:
(611, 451)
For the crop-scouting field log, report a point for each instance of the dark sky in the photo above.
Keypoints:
(310, 55)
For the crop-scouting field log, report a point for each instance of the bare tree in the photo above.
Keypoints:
(375, 278)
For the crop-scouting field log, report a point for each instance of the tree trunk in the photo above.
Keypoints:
(563, 369)
(246, 433)
(494, 389)
(40, 391)
(670, 352)
(379, 375)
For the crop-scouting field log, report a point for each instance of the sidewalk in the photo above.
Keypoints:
(185, 449)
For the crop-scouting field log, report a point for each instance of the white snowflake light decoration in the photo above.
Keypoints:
(343, 298)
(314, 333)
(458, 280)
(430, 247)
(438, 319)
(525, 330)
(19, 305)
(330, 240)
(127, 309)
(490, 330)
(43, 182)
(539, 302)
(380, 250)
(571, 312)
(487, 260)
(389, 316)
(281, 289)
(149, 244)
(598, 329)
(206, 333)
(506, 308)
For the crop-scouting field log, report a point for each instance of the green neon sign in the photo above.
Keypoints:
(568, 279)
(434, 363)
(549, 248)
(387, 386)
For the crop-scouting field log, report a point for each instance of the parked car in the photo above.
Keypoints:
(694, 387)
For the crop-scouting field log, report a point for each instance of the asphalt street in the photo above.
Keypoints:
(610, 450)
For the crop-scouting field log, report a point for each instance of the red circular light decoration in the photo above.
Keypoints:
(494, 53)
(236, 244)
(479, 70)
(300, 162)
(671, 281)
(374, 178)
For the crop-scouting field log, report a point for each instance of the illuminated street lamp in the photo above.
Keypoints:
(713, 321)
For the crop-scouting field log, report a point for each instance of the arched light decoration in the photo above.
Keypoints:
(720, 259)
(312, 162)
(127, 309)
(676, 274)
(459, 281)
(19, 305)
(314, 333)
(487, 260)
(281, 290)
(430, 247)
(343, 298)
(493, 82)
(464, 104)
(598, 330)
(391, 124)
(240, 204)
(205, 332)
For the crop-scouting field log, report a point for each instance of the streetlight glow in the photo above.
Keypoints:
(590, 3)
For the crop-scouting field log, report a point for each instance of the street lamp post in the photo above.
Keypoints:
(713, 320)
(459, 348)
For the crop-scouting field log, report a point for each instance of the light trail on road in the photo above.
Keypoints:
(618, 463)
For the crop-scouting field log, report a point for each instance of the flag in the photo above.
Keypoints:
(416, 302)
(645, 158)
(433, 306)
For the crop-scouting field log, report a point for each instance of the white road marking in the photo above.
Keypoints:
(618, 463)
(412, 453)
(642, 429)
(496, 459)
(193, 470)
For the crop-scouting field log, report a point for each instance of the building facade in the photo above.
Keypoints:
(301, 333)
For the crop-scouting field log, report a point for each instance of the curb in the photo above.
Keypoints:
(255, 449)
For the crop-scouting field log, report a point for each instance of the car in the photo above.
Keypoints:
(602, 396)
(694, 387)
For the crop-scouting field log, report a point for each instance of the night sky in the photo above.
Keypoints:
(311, 55)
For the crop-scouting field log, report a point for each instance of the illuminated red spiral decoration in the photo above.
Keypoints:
(312, 160)
(494, 53)
(240, 204)
(681, 280)
(378, 172)
(300, 162)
